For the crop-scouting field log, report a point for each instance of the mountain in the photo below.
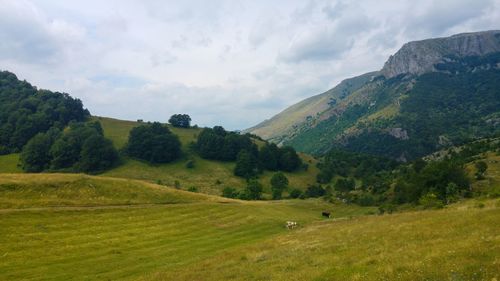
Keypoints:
(430, 95)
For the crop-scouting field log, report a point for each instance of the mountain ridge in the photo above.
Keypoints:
(373, 106)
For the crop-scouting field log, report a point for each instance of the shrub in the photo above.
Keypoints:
(190, 164)
(230, 192)
(430, 201)
(295, 193)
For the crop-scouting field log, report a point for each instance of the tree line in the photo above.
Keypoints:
(81, 147)
(26, 111)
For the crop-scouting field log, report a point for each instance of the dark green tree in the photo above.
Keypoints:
(269, 156)
(180, 120)
(279, 183)
(253, 190)
(481, 168)
(97, 154)
(35, 156)
(153, 143)
(289, 161)
(315, 190)
(345, 185)
(246, 165)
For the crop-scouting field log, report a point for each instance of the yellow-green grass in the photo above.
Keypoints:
(130, 243)
(490, 185)
(458, 243)
(207, 176)
(43, 190)
(118, 131)
(9, 163)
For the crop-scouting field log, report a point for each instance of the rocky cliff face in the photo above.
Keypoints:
(420, 57)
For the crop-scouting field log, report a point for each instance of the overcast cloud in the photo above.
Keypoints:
(233, 63)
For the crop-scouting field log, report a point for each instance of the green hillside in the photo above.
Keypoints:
(110, 242)
(207, 176)
(209, 238)
(459, 243)
(48, 190)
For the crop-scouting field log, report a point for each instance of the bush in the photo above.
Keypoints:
(253, 190)
(366, 199)
(314, 191)
(192, 189)
(430, 201)
(153, 143)
(295, 193)
(230, 192)
(190, 164)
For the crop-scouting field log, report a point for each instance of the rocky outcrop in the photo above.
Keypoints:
(420, 57)
(399, 133)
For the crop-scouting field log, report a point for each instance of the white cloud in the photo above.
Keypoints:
(233, 63)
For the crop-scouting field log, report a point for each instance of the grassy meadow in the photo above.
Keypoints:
(461, 242)
(92, 241)
(57, 190)
(490, 185)
(8, 163)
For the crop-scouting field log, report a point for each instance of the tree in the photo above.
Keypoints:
(481, 168)
(217, 144)
(345, 185)
(180, 120)
(315, 191)
(246, 165)
(269, 156)
(289, 161)
(153, 143)
(98, 154)
(253, 190)
(26, 111)
(35, 156)
(279, 182)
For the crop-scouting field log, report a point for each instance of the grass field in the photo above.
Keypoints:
(45, 190)
(128, 242)
(210, 240)
(490, 185)
(8, 163)
(458, 243)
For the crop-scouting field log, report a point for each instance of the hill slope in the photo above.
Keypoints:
(49, 190)
(207, 176)
(431, 94)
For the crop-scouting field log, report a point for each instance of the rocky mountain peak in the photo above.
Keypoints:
(420, 57)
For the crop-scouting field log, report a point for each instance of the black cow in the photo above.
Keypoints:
(325, 214)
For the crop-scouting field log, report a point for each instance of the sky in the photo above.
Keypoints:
(230, 63)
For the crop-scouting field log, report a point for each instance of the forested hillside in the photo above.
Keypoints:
(430, 95)
(26, 111)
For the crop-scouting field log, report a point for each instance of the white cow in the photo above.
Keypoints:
(291, 224)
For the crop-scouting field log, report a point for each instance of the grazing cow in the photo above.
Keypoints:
(291, 224)
(325, 214)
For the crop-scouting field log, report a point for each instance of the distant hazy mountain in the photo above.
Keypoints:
(429, 95)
